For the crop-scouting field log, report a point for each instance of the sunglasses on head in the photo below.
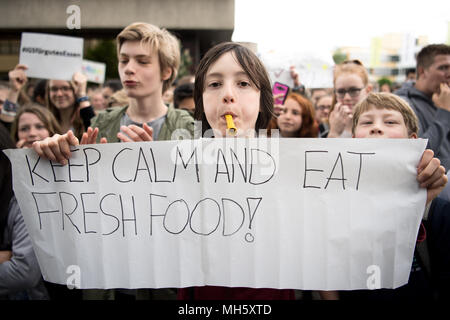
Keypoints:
(355, 61)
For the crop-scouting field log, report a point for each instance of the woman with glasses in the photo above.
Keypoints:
(68, 102)
(351, 85)
(322, 112)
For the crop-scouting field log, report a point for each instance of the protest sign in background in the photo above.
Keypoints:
(276, 213)
(49, 56)
(94, 71)
(314, 71)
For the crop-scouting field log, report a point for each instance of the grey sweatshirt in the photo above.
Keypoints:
(20, 277)
(434, 123)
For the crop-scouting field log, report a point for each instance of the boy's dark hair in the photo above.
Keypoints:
(114, 84)
(39, 90)
(425, 57)
(181, 92)
(254, 69)
(410, 70)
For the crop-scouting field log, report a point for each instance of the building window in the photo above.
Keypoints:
(10, 47)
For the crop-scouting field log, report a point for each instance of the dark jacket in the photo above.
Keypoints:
(434, 123)
(20, 277)
(438, 237)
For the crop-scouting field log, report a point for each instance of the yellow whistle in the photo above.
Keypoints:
(230, 124)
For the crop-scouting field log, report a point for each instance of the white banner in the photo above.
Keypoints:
(314, 214)
(51, 56)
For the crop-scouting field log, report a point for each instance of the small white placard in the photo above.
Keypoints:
(49, 56)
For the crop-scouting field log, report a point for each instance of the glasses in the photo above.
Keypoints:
(353, 92)
(323, 107)
(63, 89)
(355, 61)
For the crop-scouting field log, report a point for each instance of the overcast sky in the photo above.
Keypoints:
(322, 25)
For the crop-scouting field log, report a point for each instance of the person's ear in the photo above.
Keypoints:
(166, 74)
(369, 88)
(420, 71)
(413, 136)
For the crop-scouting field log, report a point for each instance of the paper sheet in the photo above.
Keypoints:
(94, 71)
(313, 214)
(50, 56)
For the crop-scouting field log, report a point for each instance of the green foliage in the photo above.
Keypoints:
(185, 63)
(339, 56)
(105, 51)
(382, 81)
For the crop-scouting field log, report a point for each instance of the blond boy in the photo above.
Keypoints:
(149, 58)
(385, 115)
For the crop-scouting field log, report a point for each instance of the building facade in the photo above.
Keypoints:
(199, 24)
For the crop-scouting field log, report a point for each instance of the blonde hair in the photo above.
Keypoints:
(385, 100)
(118, 99)
(159, 40)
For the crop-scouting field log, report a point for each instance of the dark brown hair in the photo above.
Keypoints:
(254, 69)
(425, 57)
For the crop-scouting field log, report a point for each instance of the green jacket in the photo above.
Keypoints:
(108, 123)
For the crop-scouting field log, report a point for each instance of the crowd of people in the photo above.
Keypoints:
(145, 105)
